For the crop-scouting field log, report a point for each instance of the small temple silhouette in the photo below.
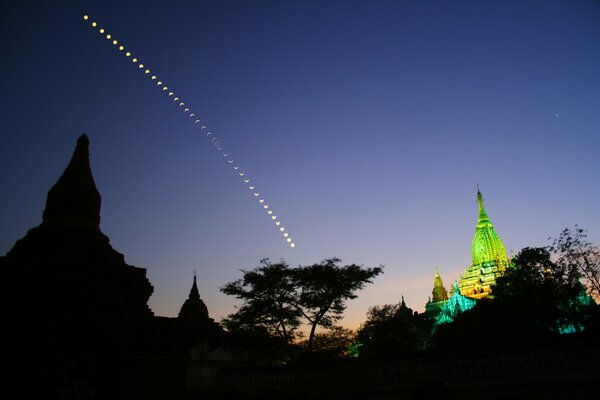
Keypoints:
(76, 321)
(489, 261)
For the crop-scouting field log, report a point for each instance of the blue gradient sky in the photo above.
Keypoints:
(365, 124)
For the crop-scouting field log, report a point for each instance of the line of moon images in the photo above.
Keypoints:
(192, 116)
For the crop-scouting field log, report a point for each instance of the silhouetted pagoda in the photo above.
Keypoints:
(76, 323)
(197, 327)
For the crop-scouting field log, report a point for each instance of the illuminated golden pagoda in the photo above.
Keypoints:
(489, 258)
(489, 262)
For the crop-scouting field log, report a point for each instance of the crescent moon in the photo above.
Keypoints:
(225, 154)
(230, 161)
(203, 127)
(270, 212)
(256, 194)
(248, 180)
(266, 206)
(242, 173)
(249, 187)
(261, 201)
(236, 167)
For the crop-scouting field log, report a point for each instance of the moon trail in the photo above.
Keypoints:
(145, 69)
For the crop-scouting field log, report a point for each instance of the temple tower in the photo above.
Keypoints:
(489, 258)
(74, 313)
(439, 296)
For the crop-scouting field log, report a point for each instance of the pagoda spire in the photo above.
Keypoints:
(487, 245)
(439, 292)
(194, 294)
(74, 200)
(194, 309)
(483, 221)
(489, 257)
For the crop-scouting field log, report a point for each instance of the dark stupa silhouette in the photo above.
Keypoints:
(76, 323)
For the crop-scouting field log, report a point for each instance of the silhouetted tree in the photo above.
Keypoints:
(269, 298)
(331, 343)
(323, 289)
(393, 330)
(574, 251)
(553, 288)
(277, 297)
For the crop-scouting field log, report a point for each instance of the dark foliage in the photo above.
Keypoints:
(535, 301)
(574, 251)
(277, 299)
(392, 331)
(323, 289)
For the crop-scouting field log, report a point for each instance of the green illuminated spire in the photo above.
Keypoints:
(489, 258)
(487, 245)
(439, 291)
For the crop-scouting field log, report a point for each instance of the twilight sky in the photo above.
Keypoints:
(366, 125)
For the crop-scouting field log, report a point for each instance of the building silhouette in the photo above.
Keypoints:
(75, 318)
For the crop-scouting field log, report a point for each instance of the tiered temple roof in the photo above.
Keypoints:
(489, 258)
(489, 262)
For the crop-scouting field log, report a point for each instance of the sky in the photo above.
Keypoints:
(364, 125)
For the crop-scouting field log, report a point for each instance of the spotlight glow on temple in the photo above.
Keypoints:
(216, 143)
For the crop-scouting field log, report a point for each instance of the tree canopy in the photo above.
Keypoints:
(575, 252)
(269, 297)
(392, 330)
(279, 299)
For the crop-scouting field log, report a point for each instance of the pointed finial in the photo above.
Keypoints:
(483, 220)
(194, 291)
(83, 140)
